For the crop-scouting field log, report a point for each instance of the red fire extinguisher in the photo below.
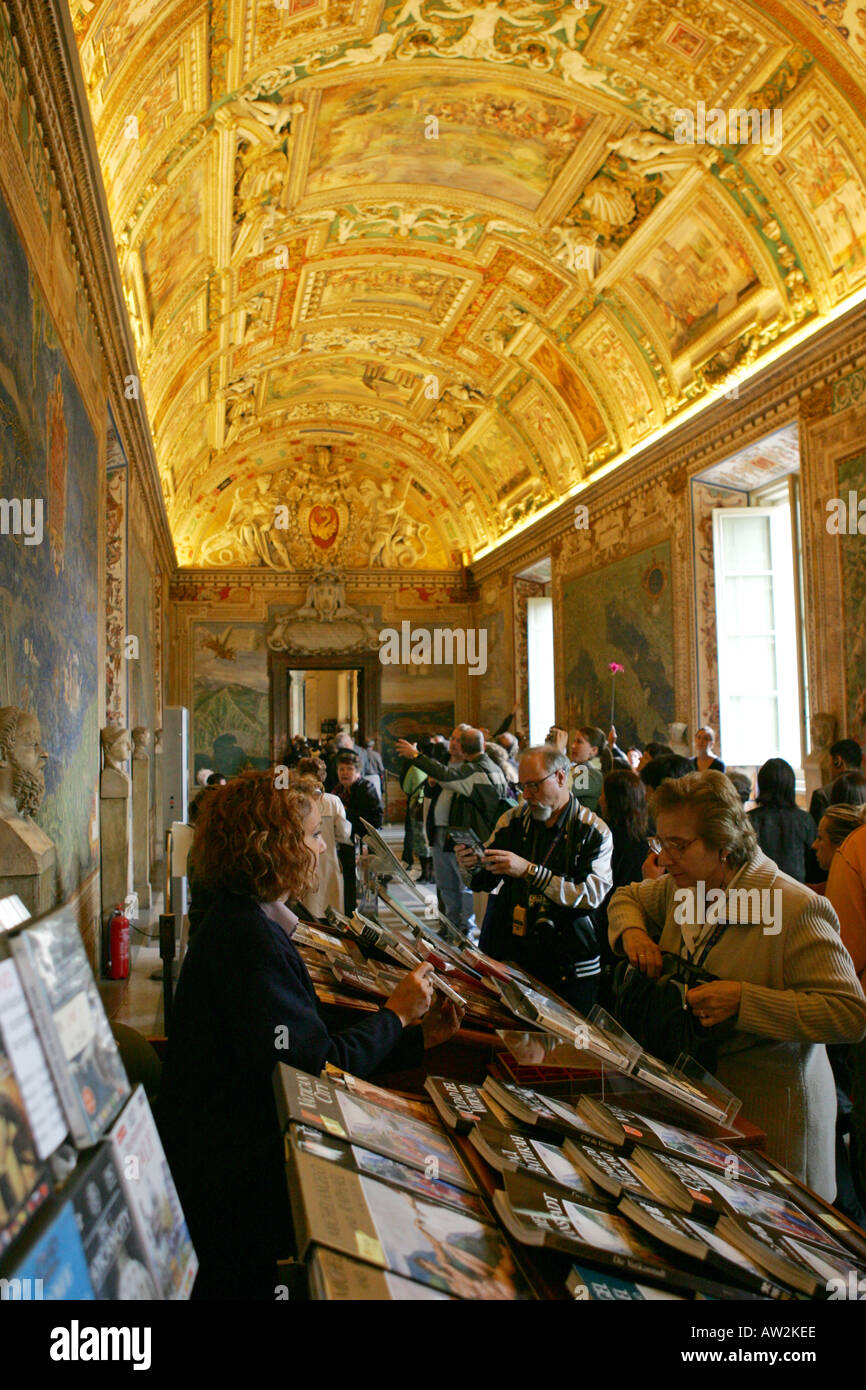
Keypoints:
(118, 945)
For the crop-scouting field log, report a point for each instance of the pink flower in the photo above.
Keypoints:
(615, 667)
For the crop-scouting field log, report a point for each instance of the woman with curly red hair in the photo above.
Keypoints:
(245, 1002)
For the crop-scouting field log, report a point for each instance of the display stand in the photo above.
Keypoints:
(29, 860)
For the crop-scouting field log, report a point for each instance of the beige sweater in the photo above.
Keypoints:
(799, 991)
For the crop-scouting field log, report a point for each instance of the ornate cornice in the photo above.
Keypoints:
(278, 582)
(783, 391)
(44, 33)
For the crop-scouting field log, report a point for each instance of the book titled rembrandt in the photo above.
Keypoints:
(311, 1100)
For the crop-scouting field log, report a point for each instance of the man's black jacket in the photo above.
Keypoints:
(362, 801)
(560, 935)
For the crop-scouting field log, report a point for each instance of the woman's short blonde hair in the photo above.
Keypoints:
(721, 821)
(840, 821)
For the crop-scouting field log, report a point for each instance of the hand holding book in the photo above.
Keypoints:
(412, 997)
(441, 1022)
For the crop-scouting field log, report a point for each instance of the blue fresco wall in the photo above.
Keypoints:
(49, 610)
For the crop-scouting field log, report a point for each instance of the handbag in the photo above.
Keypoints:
(655, 1013)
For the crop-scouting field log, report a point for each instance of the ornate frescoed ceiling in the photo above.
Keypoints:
(411, 272)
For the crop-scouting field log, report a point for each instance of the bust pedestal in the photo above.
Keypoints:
(29, 861)
(141, 828)
(157, 852)
(115, 839)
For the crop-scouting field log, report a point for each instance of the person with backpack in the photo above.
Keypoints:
(473, 795)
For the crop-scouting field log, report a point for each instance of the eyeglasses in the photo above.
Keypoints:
(530, 786)
(675, 847)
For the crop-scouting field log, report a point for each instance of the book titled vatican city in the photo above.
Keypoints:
(152, 1199)
(311, 1100)
(72, 1025)
(394, 1230)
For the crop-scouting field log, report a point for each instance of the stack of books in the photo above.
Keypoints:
(383, 1206)
(644, 1205)
(88, 1208)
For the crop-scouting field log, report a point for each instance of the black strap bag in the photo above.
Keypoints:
(655, 1012)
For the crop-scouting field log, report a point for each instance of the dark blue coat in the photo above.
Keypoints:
(244, 1002)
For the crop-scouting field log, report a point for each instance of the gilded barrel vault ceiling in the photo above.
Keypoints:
(402, 275)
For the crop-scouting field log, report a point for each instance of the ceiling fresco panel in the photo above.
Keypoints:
(463, 247)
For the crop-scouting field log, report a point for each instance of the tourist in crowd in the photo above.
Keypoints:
(666, 765)
(742, 782)
(357, 794)
(705, 759)
(360, 802)
(837, 823)
(845, 755)
(328, 890)
(502, 760)
(553, 859)
(634, 754)
(655, 750)
(473, 793)
(788, 983)
(846, 890)
(623, 808)
(848, 789)
(344, 743)
(415, 842)
(785, 832)
(585, 778)
(375, 767)
(244, 1002)
(510, 743)
(617, 757)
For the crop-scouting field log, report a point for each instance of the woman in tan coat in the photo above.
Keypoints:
(783, 973)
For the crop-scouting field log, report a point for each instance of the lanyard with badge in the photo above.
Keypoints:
(519, 913)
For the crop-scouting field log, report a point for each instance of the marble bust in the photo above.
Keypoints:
(140, 744)
(116, 749)
(22, 760)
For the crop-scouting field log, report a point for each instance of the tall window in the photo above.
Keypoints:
(539, 634)
(756, 615)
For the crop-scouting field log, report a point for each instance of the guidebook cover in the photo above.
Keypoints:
(314, 1101)
(24, 1181)
(109, 1236)
(52, 1259)
(376, 1165)
(338, 1279)
(71, 1020)
(20, 1040)
(398, 1231)
(152, 1197)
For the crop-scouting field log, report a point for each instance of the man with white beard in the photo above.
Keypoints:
(553, 859)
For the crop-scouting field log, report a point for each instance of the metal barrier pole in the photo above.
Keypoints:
(167, 941)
